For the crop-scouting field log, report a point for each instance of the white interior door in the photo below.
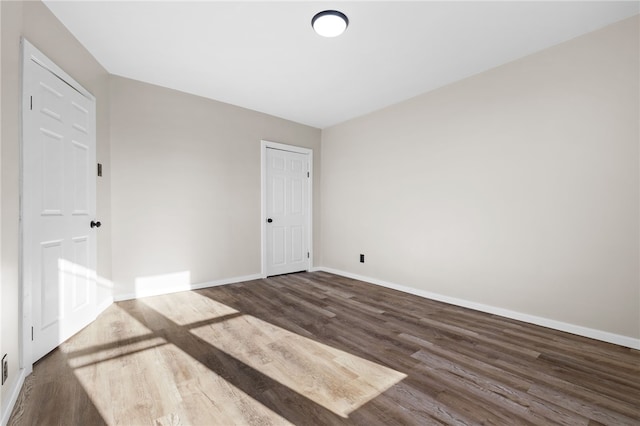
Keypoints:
(59, 203)
(287, 211)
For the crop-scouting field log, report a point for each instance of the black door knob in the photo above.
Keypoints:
(269, 220)
(95, 224)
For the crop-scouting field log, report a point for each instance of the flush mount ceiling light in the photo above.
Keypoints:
(330, 23)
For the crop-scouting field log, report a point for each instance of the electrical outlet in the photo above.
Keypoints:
(5, 368)
(362, 258)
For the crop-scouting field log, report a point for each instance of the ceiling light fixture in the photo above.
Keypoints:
(330, 23)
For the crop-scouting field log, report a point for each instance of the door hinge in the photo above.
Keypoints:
(307, 174)
(307, 255)
(31, 103)
(32, 334)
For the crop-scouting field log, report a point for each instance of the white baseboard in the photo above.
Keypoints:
(167, 290)
(604, 336)
(104, 305)
(13, 397)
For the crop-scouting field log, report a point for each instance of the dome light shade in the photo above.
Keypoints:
(330, 23)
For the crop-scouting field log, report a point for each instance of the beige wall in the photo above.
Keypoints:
(11, 28)
(517, 188)
(36, 23)
(186, 186)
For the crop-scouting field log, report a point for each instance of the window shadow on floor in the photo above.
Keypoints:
(249, 380)
(61, 398)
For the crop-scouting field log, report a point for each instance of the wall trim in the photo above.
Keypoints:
(13, 398)
(591, 333)
(101, 307)
(177, 289)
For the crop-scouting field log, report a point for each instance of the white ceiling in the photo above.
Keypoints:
(265, 56)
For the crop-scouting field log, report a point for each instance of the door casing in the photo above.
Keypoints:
(264, 144)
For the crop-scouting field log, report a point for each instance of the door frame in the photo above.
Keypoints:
(264, 144)
(31, 55)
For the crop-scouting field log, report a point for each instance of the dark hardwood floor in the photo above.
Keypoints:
(319, 349)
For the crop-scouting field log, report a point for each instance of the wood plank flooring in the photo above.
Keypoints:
(319, 349)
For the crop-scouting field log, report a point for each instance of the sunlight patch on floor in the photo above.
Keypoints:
(337, 380)
(127, 390)
(188, 307)
(121, 377)
(95, 338)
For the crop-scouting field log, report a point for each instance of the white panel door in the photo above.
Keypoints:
(287, 211)
(59, 192)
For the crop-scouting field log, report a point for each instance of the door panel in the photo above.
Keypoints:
(52, 171)
(278, 195)
(298, 251)
(59, 190)
(297, 197)
(49, 292)
(278, 246)
(287, 205)
(81, 186)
